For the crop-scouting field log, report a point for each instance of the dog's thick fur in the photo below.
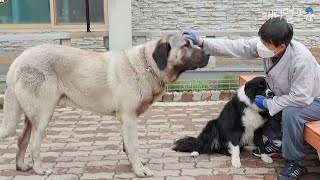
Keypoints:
(123, 84)
(239, 123)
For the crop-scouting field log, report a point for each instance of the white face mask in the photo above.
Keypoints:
(263, 51)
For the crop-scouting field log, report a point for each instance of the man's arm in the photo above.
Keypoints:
(242, 48)
(300, 93)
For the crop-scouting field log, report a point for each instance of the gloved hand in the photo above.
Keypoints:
(192, 36)
(261, 102)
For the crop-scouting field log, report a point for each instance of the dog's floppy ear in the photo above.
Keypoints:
(161, 54)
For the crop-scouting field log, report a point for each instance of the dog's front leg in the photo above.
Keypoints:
(144, 162)
(234, 150)
(258, 142)
(131, 144)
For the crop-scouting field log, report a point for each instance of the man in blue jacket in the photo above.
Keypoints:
(292, 73)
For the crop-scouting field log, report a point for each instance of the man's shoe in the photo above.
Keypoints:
(271, 149)
(291, 170)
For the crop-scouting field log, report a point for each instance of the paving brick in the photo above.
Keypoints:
(215, 177)
(98, 176)
(33, 177)
(59, 171)
(55, 145)
(179, 166)
(79, 144)
(88, 158)
(314, 169)
(310, 176)
(180, 178)
(8, 155)
(74, 170)
(76, 153)
(121, 168)
(50, 154)
(64, 159)
(211, 164)
(6, 160)
(248, 177)
(163, 160)
(104, 152)
(14, 172)
(70, 164)
(166, 173)
(229, 171)
(150, 178)
(125, 175)
(102, 163)
(196, 172)
(7, 166)
(63, 177)
(155, 166)
(6, 177)
(260, 170)
(187, 159)
(270, 177)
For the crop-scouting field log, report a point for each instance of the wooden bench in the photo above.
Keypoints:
(311, 129)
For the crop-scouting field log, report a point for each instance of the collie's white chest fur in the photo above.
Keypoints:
(251, 121)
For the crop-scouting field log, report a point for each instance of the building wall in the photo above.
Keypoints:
(220, 14)
(149, 17)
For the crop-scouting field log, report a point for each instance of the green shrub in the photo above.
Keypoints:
(229, 82)
(196, 85)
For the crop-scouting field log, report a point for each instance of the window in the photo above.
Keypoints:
(74, 11)
(52, 14)
(25, 12)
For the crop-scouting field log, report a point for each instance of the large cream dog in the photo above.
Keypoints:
(123, 84)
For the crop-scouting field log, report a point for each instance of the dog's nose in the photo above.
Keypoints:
(270, 94)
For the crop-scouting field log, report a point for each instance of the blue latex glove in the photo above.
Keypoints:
(192, 36)
(261, 102)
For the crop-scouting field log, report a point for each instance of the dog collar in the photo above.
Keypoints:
(150, 70)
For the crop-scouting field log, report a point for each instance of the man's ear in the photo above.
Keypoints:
(283, 46)
(161, 54)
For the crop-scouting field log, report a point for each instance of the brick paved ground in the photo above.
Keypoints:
(79, 145)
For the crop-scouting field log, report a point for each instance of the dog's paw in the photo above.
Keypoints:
(42, 171)
(236, 162)
(143, 172)
(194, 154)
(265, 158)
(143, 161)
(23, 167)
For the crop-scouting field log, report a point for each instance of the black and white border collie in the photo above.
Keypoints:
(238, 124)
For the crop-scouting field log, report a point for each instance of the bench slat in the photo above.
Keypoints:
(312, 134)
(245, 78)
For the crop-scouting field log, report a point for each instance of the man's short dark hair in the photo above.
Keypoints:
(276, 31)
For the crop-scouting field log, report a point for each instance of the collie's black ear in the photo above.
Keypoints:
(161, 54)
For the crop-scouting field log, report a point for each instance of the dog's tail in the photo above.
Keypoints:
(206, 142)
(11, 114)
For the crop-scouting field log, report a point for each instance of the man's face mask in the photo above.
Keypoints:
(265, 52)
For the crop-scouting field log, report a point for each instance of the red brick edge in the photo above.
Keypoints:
(198, 96)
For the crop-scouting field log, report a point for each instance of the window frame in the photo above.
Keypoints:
(53, 26)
